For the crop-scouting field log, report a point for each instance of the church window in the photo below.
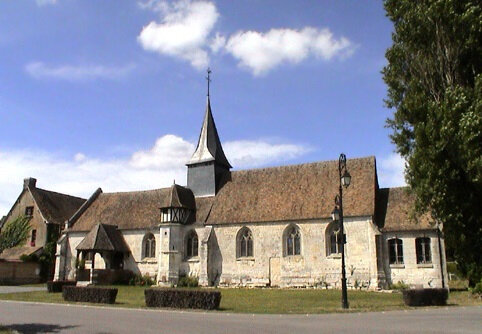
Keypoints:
(395, 251)
(333, 239)
(149, 245)
(422, 246)
(192, 244)
(245, 243)
(292, 241)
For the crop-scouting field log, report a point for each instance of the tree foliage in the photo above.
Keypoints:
(435, 86)
(14, 233)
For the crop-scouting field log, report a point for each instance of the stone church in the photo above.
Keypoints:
(257, 228)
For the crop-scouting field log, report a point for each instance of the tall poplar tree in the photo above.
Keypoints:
(435, 88)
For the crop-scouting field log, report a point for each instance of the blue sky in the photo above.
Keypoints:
(112, 93)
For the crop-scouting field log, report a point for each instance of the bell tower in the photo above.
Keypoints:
(208, 165)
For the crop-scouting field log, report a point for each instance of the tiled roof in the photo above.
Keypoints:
(103, 237)
(14, 253)
(395, 211)
(305, 191)
(55, 207)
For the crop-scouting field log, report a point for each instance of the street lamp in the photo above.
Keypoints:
(337, 215)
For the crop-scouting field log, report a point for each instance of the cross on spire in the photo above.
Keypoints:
(208, 78)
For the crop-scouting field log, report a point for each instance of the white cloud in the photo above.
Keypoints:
(46, 2)
(183, 31)
(145, 169)
(254, 153)
(39, 70)
(391, 171)
(217, 43)
(261, 52)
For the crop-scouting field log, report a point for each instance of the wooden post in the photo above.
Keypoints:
(92, 269)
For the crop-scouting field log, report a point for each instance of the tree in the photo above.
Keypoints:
(14, 233)
(435, 86)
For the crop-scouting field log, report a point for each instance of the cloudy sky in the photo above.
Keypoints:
(112, 93)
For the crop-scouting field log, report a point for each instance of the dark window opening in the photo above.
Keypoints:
(395, 250)
(424, 254)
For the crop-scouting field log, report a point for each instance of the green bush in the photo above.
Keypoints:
(29, 258)
(145, 280)
(178, 298)
(56, 286)
(89, 294)
(425, 297)
(400, 285)
(477, 289)
(188, 282)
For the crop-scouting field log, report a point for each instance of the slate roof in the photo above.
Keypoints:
(55, 207)
(104, 237)
(209, 146)
(395, 211)
(305, 191)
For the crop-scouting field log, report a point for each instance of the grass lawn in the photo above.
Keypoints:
(269, 300)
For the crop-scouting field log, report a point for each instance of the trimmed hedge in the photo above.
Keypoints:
(425, 297)
(89, 294)
(180, 298)
(56, 286)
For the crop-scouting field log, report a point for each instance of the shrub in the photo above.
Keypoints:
(477, 289)
(145, 280)
(188, 282)
(29, 258)
(180, 298)
(56, 286)
(400, 285)
(425, 297)
(89, 294)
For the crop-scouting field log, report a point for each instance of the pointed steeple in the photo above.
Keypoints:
(209, 145)
(208, 168)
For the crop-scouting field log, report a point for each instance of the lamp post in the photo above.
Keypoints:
(337, 215)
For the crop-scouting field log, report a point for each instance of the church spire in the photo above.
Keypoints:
(209, 145)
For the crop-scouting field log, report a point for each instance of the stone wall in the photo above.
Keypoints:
(416, 275)
(19, 273)
(269, 266)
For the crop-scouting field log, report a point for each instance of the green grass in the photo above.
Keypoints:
(4, 330)
(295, 301)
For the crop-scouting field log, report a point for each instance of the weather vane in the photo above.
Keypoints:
(208, 78)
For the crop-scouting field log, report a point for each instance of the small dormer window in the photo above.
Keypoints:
(174, 215)
(166, 215)
(29, 211)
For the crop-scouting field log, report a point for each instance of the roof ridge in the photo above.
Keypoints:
(58, 193)
(300, 164)
(135, 191)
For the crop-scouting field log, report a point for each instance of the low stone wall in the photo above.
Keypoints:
(19, 273)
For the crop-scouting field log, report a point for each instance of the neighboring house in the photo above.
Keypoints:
(47, 212)
(259, 227)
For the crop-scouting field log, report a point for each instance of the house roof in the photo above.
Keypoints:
(209, 146)
(395, 211)
(305, 191)
(14, 253)
(55, 207)
(103, 237)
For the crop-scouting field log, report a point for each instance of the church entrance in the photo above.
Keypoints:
(274, 271)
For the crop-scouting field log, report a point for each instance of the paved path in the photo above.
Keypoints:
(12, 289)
(29, 317)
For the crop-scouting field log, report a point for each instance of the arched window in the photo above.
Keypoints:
(395, 251)
(191, 244)
(422, 246)
(333, 239)
(244, 243)
(292, 241)
(149, 245)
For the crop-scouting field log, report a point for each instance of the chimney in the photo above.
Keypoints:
(29, 183)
